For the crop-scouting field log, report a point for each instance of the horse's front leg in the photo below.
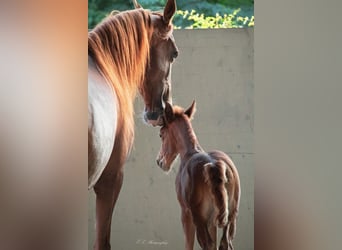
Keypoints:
(107, 191)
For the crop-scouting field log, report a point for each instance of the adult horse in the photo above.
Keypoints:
(128, 52)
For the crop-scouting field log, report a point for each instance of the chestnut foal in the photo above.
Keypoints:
(206, 183)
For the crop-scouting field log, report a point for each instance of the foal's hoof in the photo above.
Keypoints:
(223, 247)
(231, 246)
(226, 246)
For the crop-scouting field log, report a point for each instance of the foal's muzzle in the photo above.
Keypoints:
(160, 163)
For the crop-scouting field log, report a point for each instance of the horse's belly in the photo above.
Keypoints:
(102, 119)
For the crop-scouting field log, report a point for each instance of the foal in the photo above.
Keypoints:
(206, 183)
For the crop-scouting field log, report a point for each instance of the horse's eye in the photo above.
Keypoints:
(160, 135)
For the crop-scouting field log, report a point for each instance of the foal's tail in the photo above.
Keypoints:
(234, 190)
(215, 175)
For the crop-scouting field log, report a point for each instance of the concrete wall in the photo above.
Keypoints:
(215, 67)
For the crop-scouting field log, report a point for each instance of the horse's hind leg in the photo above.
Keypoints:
(188, 228)
(213, 235)
(224, 240)
(203, 235)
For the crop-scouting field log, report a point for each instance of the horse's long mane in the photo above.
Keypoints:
(120, 47)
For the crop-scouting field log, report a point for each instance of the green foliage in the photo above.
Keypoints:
(190, 14)
(98, 9)
(94, 15)
(233, 3)
(201, 21)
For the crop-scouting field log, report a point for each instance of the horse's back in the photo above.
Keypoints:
(232, 170)
(102, 122)
(219, 155)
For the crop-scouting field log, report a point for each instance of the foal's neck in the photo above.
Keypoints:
(187, 143)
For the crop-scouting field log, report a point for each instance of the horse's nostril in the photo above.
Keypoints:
(157, 162)
(152, 115)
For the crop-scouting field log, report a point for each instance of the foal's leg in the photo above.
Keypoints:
(203, 237)
(231, 231)
(224, 240)
(202, 232)
(189, 229)
(213, 235)
(228, 234)
(107, 190)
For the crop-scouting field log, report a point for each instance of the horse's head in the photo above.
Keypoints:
(163, 51)
(175, 129)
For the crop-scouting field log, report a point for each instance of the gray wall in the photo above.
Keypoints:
(215, 67)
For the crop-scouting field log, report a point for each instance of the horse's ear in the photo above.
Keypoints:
(168, 113)
(137, 5)
(169, 11)
(191, 110)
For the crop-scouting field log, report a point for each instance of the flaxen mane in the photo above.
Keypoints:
(120, 47)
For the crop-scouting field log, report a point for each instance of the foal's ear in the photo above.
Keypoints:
(136, 4)
(168, 113)
(169, 11)
(191, 110)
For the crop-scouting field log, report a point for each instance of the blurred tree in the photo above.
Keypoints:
(98, 9)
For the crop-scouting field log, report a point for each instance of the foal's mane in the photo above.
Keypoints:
(120, 47)
(178, 111)
(180, 115)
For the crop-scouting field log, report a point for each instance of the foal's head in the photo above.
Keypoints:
(176, 126)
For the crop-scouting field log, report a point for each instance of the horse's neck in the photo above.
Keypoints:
(190, 156)
(187, 146)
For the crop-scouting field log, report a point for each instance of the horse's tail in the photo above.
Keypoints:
(215, 176)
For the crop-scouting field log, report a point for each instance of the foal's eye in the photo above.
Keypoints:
(160, 135)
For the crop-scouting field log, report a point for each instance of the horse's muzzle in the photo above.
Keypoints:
(154, 118)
